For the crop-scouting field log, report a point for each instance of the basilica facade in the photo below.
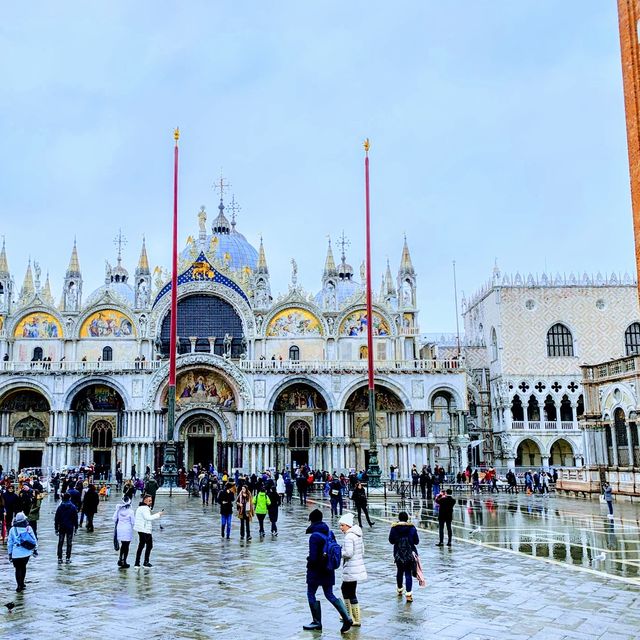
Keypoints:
(263, 380)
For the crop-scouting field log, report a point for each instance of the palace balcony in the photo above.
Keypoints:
(612, 370)
(544, 425)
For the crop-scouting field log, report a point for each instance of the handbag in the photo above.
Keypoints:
(116, 544)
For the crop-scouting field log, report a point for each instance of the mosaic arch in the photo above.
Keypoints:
(24, 400)
(196, 386)
(294, 322)
(300, 397)
(386, 400)
(108, 323)
(97, 397)
(38, 325)
(355, 325)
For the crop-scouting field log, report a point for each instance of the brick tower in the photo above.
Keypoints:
(628, 16)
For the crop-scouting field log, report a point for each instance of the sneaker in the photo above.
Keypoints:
(147, 564)
(19, 589)
(275, 534)
(137, 565)
(248, 538)
(59, 560)
(439, 544)
(68, 560)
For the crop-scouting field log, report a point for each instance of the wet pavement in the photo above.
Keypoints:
(520, 568)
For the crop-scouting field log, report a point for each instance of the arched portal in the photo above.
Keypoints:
(97, 417)
(26, 414)
(561, 454)
(528, 454)
(389, 408)
(301, 422)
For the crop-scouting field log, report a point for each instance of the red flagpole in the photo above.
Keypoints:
(373, 472)
(174, 270)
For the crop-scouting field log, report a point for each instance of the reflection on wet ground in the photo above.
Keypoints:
(553, 528)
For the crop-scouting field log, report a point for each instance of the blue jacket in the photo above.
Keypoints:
(403, 530)
(14, 549)
(66, 520)
(317, 571)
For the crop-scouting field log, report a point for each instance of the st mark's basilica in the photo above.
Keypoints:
(263, 380)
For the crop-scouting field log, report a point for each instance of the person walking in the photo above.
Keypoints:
(244, 506)
(359, 497)
(226, 499)
(261, 504)
(281, 488)
(151, 488)
(205, 485)
(143, 524)
(415, 478)
(404, 538)
(21, 544)
(11, 507)
(124, 520)
(335, 494)
(90, 505)
(65, 524)
(274, 497)
(445, 502)
(320, 574)
(34, 516)
(301, 483)
(353, 569)
(608, 497)
(424, 477)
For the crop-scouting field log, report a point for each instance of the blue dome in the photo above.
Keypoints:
(241, 253)
(122, 290)
(345, 290)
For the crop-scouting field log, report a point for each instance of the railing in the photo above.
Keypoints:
(547, 425)
(612, 369)
(356, 366)
(107, 365)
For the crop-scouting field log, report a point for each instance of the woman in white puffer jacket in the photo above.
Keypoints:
(353, 569)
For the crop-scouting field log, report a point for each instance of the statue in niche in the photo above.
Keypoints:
(330, 297)
(143, 326)
(407, 296)
(259, 320)
(294, 272)
(330, 323)
(72, 296)
(143, 293)
(227, 345)
(261, 295)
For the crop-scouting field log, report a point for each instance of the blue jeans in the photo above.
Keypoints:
(336, 501)
(404, 570)
(328, 593)
(225, 523)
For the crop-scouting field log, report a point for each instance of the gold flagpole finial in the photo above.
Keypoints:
(176, 134)
(367, 145)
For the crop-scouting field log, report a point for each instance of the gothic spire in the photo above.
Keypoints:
(406, 265)
(262, 260)
(382, 290)
(329, 263)
(28, 287)
(46, 292)
(388, 281)
(4, 264)
(143, 262)
(73, 270)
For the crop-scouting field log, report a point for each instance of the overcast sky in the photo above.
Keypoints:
(497, 131)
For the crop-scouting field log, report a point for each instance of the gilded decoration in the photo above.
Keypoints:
(355, 325)
(300, 397)
(108, 323)
(294, 322)
(38, 325)
(98, 397)
(203, 386)
(385, 400)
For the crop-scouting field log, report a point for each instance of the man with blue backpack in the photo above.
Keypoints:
(325, 556)
(20, 546)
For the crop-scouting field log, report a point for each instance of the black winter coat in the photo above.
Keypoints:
(90, 503)
(359, 497)
(66, 519)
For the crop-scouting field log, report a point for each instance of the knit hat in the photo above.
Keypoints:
(315, 516)
(347, 519)
(20, 517)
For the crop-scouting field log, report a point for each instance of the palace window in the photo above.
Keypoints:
(37, 354)
(299, 435)
(29, 428)
(101, 435)
(294, 353)
(107, 354)
(632, 339)
(559, 341)
(494, 344)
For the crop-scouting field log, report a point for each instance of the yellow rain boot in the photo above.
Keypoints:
(355, 614)
(347, 604)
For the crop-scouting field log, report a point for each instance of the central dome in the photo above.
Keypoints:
(229, 245)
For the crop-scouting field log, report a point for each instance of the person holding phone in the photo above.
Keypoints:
(144, 526)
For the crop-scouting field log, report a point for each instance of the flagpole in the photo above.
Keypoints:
(169, 468)
(373, 471)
